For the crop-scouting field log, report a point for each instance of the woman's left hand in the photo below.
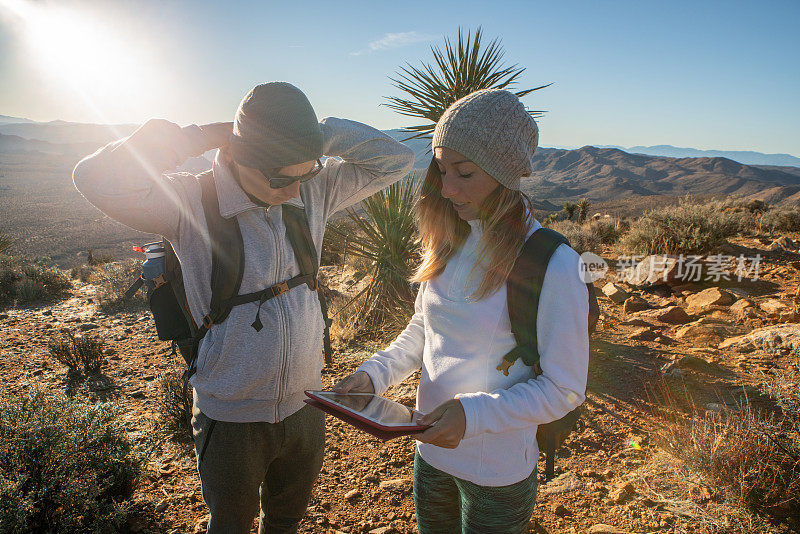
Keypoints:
(449, 423)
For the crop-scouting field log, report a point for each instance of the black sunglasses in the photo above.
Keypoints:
(279, 182)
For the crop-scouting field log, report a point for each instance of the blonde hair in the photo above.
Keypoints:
(503, 215)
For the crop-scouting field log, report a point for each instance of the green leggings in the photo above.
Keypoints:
(447, 505)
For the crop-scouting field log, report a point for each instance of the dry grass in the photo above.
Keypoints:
(81, 352)
(751, 458)
(175, 406)
(113, 280)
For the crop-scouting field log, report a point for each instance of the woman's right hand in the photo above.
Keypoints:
(358, 382)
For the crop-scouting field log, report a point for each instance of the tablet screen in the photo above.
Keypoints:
(370, 406)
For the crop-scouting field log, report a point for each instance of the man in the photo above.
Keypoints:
(249, 383)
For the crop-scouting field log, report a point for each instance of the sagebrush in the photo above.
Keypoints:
(113, 279)
(66, 465)
(78, 352)
(23, 280)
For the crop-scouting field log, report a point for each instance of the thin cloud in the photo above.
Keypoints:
(393, 40)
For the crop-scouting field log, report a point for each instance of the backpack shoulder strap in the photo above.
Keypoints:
(227, 254)
(524, 287)
(305, 252)
(299, 235)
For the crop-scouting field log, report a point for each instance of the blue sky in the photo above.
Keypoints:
(704, 74)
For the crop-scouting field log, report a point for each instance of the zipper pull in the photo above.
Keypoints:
(257, 325)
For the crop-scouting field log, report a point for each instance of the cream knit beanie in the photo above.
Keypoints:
(493, 129)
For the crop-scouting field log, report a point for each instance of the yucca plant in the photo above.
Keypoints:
(569, 209)
(457, 71)
(583, 210)
(385, 237)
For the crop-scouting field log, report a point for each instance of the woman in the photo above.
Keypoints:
(475, 468)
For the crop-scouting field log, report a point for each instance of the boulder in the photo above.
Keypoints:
(700, 333)
(740, 305)
(654, 270)
(615, 292)
(712, 296)
(670, 314)
(644, 334)
(634, 304)
(769, 339)
(774, 306)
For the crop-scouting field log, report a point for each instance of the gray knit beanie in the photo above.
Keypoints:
(492, 128)
(275, 126)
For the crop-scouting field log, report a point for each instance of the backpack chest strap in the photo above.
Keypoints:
(262, 296)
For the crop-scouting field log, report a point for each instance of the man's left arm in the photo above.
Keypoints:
(361, 161)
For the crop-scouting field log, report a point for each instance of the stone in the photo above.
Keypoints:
(712, 296)
(774, 306)
(615, 292)
(559, 509)
(383, 530)
(782, 243)
(768, 339)
(644, 334)
(654, 270)
(699, 333)
(601, 528)
(670, 314)
(161, 506)
(88, 326)
(740, 305)
(619, 496)
(397, 485)
(352, 494)
(563, 483)
(685, 289)
(634, 304)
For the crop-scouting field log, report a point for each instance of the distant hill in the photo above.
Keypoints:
(742, 156)
(5, 119)
(610, 174)
(96, 135)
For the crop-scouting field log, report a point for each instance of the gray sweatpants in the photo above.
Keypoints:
(279, 460)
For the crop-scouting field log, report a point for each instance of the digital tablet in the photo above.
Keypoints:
(374, 410)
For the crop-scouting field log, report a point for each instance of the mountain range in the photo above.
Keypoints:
(599, 174)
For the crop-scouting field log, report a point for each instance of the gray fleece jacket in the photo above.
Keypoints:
(243, 375)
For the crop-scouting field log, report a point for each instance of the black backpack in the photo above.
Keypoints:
(167, 297)
(524, 286)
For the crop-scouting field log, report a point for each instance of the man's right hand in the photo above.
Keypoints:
(217, 134)
(358, 382)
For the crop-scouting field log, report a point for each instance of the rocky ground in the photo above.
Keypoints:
(712, 339)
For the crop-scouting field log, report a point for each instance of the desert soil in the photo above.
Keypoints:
(609, 471)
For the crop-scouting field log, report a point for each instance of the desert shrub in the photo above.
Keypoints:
(344, 320)
(24, 281)
(5, 243)
(754, 459)
(78, 352)
(83, 273)
(781, 220)
(113, 279)
(66, 465)
(607, 231)
(683, 229)
(784, 387)
(175, 405)
(580, 237)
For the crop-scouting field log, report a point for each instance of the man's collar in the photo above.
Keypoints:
(232, 200)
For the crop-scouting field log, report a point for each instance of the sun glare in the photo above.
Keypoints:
(77, 50)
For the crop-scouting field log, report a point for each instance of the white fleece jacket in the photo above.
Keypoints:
(458, 344)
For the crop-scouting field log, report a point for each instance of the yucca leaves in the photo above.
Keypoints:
(457, 71)
(385, 236)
